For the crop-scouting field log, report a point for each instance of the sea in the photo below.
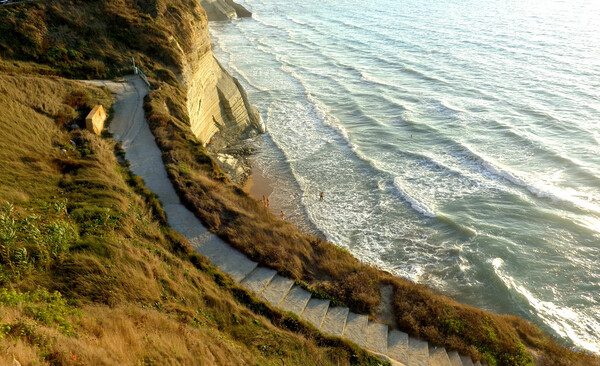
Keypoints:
(456, 142)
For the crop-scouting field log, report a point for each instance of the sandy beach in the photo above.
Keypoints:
(257, 184)
(283, 196)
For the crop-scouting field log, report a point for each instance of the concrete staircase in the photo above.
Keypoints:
(394, 345)
(129, 127)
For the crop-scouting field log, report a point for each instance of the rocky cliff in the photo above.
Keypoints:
(216, 102)
(224, 9)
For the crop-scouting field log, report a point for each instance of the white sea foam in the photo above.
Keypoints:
(449, 106)
(409, 197)
(323, 113)
(567, 322)
(267, 24)
(232, 65)
(433, 173)
(247, 79)
(373, 80)
(352, 25)
(536, 186)
(299, 22)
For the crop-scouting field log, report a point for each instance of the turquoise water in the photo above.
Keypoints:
(456, 142)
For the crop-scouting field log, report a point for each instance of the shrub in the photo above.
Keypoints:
(65, 115)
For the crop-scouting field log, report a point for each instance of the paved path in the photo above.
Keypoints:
(130, 128)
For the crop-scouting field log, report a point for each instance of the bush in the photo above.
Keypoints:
(47, 308)
(95, 69)
(65, 115)
(32, 242)
(79, 99)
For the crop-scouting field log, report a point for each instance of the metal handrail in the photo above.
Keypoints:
(138, 71)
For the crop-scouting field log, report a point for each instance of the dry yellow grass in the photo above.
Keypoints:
(31, 139)
(127, 292)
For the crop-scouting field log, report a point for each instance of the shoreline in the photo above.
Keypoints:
(279, 186)
(257, 185)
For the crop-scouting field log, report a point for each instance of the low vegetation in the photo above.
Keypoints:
(90, 274)
(123, 277)
(91, 39)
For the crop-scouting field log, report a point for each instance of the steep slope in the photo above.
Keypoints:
(97, 40)
(224, 9)
(89, 272)
(216, 102)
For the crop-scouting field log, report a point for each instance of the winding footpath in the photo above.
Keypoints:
(130, 128)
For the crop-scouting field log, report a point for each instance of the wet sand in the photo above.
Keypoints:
(258, 185)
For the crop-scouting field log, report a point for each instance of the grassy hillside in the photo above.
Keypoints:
(123, 264)
(90, 39)
(90, 274)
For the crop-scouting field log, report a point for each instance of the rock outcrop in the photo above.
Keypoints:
(216, 101)
(224, 9)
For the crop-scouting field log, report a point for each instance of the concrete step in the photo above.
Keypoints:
(387, 358)
(227, 259)
(418, 352)
(466, 361)
(438, 357)
(356, 328)
(454, 358)
(335, 321)
(398, 346)
(296, 300)
(258, 279)
(377, 337)
(277, 289)
(315, 311)
(182, 220)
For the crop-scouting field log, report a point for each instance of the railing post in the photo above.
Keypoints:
(139, 72)
(135, 69)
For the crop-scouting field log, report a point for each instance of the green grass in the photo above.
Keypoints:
(93, 39)
(33, 242)
(45, 308)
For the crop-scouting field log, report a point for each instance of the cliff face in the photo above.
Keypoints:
(216, 102)
(224, 9)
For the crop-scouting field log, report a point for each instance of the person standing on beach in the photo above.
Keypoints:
(321, 196)
(264, 201)
(268, 203)
(282, 215)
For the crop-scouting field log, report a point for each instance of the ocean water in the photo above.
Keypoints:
(457, 143)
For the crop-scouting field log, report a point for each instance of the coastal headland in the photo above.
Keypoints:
(113, 272)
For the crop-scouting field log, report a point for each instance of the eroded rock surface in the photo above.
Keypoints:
(216, 102)
(224, 9)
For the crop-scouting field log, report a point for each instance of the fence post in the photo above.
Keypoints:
(139, 72)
